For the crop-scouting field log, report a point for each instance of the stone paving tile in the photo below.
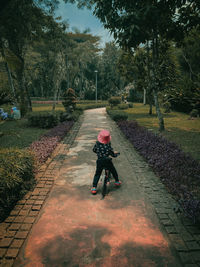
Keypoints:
(17, 243)
(12, 253)
(25, 226)
(10, 233)
(5, 242)
(2, 252)
(21, 234)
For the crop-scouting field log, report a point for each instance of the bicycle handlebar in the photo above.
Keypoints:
(117, 154)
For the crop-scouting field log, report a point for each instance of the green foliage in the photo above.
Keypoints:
(123, 106)
(194, 113)
(110, 82)
(16, 177)
(76, 114)
(43, 119)
(167, 107)
(5, 95)
(69, 101)
(130, 105)
(114, 101)
(184, 97)
(117, 115)
(64, 116)
(135, 96)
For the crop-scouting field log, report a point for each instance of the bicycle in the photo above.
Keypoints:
(106, 180)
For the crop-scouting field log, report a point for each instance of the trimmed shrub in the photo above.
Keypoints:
(76, 114)
(123, 106)
(64, 116)
(194, 113)
(69, 101)
(114, 101)
(43, 119)
(117, 115)
(177, 170)
(16, 177)
(130, 105)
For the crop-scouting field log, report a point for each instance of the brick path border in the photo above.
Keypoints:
(183, 234)
(16, 227)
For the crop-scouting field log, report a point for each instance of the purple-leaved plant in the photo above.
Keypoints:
(43, 147)
(176, 169)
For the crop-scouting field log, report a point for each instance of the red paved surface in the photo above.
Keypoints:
(85, 231)
(77, 229)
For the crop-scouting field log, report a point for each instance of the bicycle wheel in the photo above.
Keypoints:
(104, 183)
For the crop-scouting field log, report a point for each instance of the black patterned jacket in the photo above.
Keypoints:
(103, 151)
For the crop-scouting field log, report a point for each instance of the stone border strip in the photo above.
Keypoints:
(183, 234)
(16, 227)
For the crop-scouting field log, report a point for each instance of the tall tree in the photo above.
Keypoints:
(22, 21)
(136, 22)
(110, 82)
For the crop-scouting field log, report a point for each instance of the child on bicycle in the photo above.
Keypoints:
(103, 150)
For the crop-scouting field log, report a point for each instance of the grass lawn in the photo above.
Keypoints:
(19, 134)
(178, 127)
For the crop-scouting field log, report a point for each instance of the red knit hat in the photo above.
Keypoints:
(104, 137)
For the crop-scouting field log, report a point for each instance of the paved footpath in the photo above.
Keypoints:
(61, 224)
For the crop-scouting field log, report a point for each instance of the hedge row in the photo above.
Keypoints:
(16, 177)
(49, 119)
(177, 170)
(117, 115)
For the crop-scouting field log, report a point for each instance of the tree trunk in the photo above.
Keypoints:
(150, 108)
(159, 114)
(54, 100)
(10, 80)
(28, 99)
(55, 94)
(155, 89)
(144, 97)
(21, 82)
(22, 87)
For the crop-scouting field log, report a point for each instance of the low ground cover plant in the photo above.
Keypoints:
(43, 147)
(18, 166)
(176, 169)
(179, 127)
(16, 177)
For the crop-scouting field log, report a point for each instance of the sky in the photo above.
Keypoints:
(83, 19)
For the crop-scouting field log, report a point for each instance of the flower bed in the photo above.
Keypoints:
(48, 142)
(177, 170)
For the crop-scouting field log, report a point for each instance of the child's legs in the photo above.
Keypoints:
(112, 169)
(99, 169)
